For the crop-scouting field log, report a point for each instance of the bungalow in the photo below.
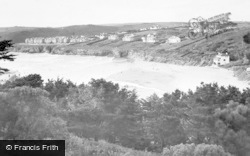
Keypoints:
(101, 36)
(113, 37)
(48, 40)
(221, 59)
(129, 37)
(150, 38)
(174, 39)
(29, 40)
(155, 27)
(248, 69)
(143, 29)
(38, 40)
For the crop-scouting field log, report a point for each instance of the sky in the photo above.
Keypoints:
(58, 13)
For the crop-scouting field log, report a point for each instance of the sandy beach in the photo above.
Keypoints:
(146, 77)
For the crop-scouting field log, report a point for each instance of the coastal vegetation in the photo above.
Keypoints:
(101, 118)
(4, 53)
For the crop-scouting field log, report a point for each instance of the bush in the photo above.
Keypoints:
(195, 150)
(32, 80)
(246, 38)
(58, 88)
(119, 54)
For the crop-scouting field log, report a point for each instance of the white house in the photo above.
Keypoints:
(221, 59)
(29, 40)
(101, 36)
(174, 39)
(150, 38)
(143, 29)
(248, 69)
(155, 27)
(129, 37)
(113, 37)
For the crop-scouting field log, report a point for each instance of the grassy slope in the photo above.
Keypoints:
(18, 34)
(188, 52)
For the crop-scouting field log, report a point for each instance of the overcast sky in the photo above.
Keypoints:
(56, 13)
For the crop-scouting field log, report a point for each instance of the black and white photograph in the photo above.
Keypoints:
(125, 77)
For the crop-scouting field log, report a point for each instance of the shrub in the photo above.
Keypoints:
(58, 88)
(195, 150)
(119, 54)
(32, 80)
(246, 38)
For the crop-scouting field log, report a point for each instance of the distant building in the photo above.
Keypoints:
(221, 59)
(150, 38)
(113, 37)
(48, 40)
(38, 40)
(29, 40)
(101, 36)
(248, 69)
(123, 32)
(129, 37)
(174, 39)
(155, 27)
(143, 29)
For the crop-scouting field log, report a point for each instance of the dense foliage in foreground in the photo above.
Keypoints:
(99, 118)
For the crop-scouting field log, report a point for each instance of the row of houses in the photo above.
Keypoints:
(150, 38)
(55, 40)
(155, 27)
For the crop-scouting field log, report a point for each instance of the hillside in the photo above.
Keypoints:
(19, 34)
(199, 52)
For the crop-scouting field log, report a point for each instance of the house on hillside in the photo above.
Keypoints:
(101, 36)
(129, 37)
(38, 40)
(150, 38)
(29, 40)
(248, 69)
(174, 39)
(49, 40)
(143, 29)
(221, 59)
(113, 37)
(156, 27)
(65, 40)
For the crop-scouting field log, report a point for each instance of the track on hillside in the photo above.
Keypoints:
(97, 41)
(195, 41)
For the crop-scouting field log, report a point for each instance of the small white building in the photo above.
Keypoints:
(248, 69)
(101, 36)
(129, 37)
(174, 39)
(156, 27)
(150, 38)
(221, 59)
(143, 29)
(113, 37)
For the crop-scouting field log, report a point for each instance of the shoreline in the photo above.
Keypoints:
(147, 77)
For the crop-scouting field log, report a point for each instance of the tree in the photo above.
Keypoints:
(195, 150)
(58, 88)
(27, 113)
(4, 53)
(246, 38)
(32, 80)
(162, 121)
(232, 128)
